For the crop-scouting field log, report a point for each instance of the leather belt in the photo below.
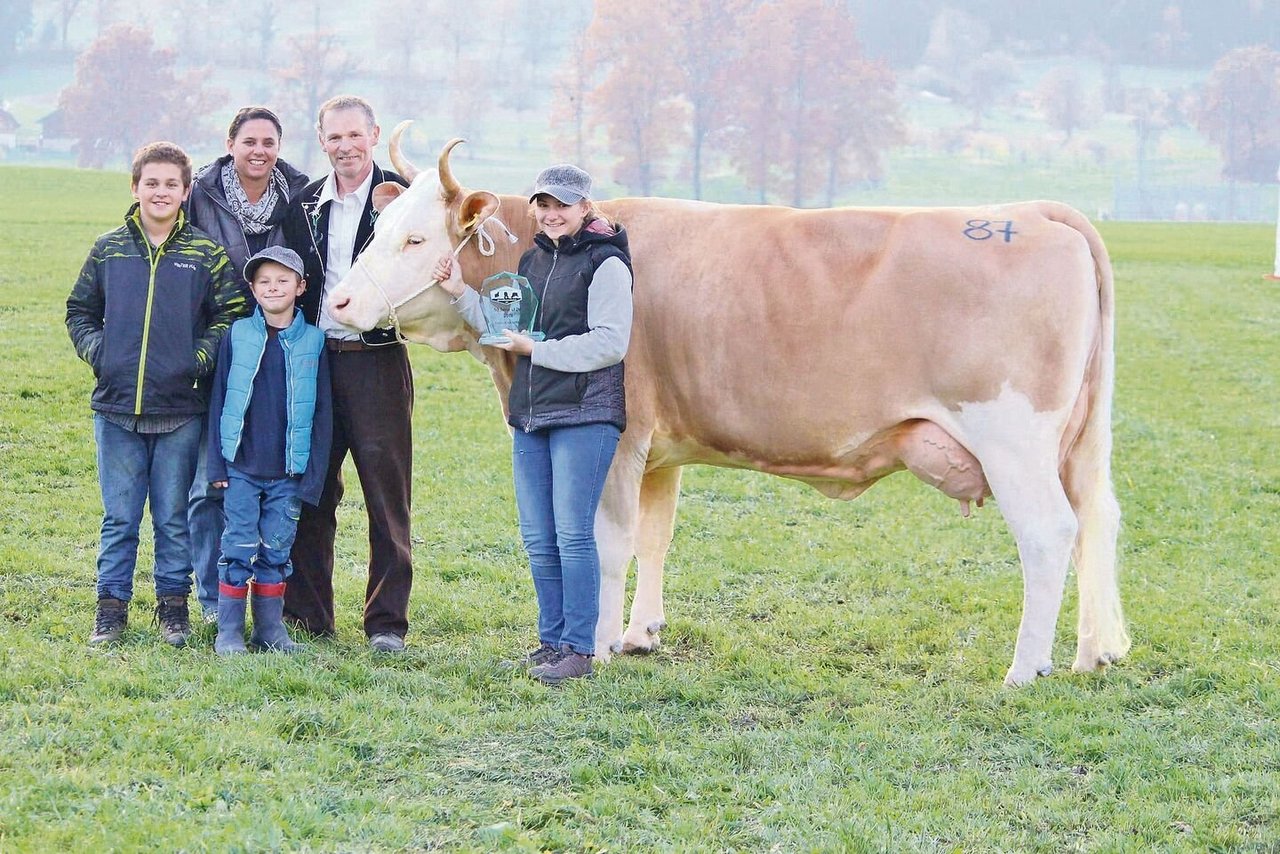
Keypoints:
(342, 345)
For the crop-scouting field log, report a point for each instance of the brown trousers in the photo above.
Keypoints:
(372, 418)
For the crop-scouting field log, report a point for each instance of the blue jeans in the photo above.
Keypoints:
(262, 521)
(132, 469)
(205, 521)
(559, 475)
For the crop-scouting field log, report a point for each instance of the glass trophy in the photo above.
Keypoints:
(508, 302)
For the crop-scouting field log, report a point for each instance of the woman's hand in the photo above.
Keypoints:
(521, 345)
(443, 273)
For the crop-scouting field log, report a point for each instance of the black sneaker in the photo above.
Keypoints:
(567, 665)
(544, 654)
(175, 622)
(110, 621)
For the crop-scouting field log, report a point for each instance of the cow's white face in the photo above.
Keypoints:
(393, 273)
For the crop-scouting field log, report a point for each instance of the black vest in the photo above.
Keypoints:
(561, 276)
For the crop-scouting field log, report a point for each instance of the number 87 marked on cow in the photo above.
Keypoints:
(983, 366)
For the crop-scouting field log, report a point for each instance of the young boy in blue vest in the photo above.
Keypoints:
(270, 427)
(152, 302)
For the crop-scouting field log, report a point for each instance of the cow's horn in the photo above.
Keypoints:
(448, 183)
(406, 169)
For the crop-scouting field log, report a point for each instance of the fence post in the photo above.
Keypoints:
(1275, 270)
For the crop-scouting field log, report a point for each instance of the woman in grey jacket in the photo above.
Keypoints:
(239, 200)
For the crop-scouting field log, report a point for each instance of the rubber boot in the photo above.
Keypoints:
(269, 633)
(231, 604)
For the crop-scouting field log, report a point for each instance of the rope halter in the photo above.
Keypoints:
(484, 244)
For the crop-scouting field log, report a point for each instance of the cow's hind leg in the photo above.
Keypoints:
(1025, 484)
(659, 495)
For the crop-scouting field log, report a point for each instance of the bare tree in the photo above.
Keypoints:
(319, 67)
(15, 24)
(569, 105)
(66, 12)
(986, 80)
(1240, 112)
(1065, 104)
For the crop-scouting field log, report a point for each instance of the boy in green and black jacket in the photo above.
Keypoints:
(150, 307)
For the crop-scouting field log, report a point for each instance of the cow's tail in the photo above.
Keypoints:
(1086, 477)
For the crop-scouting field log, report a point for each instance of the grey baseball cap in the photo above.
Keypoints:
(565, 182)
(279, 254)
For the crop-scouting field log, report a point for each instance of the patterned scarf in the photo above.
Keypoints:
(255, 217)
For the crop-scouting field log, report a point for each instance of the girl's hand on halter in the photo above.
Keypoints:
(443, 273)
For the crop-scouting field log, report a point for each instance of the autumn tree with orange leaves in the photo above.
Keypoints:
(779, 87)
(127, 92)
(811, 114)
(636, 98)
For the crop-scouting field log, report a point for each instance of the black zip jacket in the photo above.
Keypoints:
(149, 319)
(561, 275)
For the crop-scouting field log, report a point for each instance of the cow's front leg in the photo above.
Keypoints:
(615, 543)
(659, 495)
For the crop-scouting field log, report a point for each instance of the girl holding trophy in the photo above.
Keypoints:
(567, 405)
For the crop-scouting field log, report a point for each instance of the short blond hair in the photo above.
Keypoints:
(345, 102)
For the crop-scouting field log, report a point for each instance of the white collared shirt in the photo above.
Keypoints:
(344, 221)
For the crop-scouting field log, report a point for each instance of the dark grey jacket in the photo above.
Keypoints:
(207, 210)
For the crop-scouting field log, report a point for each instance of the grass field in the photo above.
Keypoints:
(831, 678)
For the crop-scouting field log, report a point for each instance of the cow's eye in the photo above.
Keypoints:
(415, 240)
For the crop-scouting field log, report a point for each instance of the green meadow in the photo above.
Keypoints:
(830, 679)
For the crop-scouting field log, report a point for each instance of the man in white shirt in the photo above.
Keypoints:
(329, 223)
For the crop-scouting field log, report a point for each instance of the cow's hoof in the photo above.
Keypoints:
(640, 645)
(1089, 662)
(615, 647)
(1025, 676)
(656, 626)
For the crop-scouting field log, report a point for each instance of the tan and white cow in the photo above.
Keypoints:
(970, 346)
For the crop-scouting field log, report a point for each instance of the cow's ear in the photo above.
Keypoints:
(475, 209)
(386, 193)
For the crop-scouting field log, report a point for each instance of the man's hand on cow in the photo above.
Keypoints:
(521, 345)
(443, 273)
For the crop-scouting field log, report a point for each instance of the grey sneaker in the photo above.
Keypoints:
(386, 642)
(174, 620)
(110, 621)
(567, 665)
(543, 654)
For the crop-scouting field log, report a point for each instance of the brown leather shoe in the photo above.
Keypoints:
(569, 665)
(544, 654)
(110, 621)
